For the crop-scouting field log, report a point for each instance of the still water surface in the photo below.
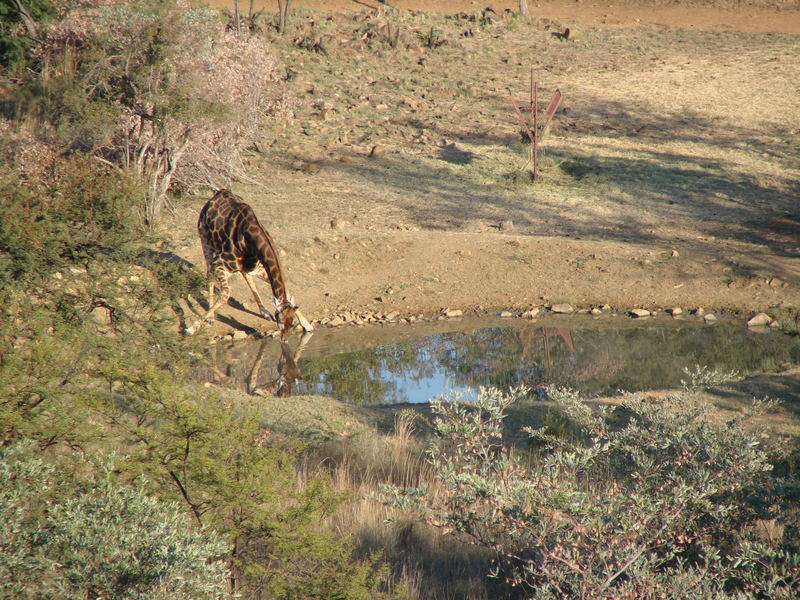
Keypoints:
(412, 363)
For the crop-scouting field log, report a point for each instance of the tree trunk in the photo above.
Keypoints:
(27, 19)
(236, 24)
(523, 8)
(283, 13)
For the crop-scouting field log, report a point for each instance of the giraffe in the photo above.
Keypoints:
(234, 241)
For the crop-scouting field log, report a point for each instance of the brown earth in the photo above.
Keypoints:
(670, 176)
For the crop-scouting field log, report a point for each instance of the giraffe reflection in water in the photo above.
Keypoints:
(267, 378)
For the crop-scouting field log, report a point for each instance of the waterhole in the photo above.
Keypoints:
(383, 364)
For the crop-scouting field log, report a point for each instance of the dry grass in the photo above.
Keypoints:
(428, 563)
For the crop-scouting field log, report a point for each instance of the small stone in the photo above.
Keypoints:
(759, 320)
(595, 311)
(530, 314)
(336, 321)
(561, 308)
(638, 313)
(674, 254)
(675, 311)
(699, 312)
(506, 314)
(58, 275)
(453, 313)
(775, 282)
(376, 151)
(392, 315)
(337, 256)
(507, 225)
(101, 315)
(709, 318)
(606, 308)
(239, 335)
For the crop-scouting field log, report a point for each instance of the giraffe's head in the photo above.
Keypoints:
(285, 313)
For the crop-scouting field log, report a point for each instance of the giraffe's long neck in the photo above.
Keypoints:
(269, 259)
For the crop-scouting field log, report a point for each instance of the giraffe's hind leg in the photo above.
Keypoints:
(221, 276)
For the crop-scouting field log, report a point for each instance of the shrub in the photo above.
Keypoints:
(16, 40)
(76, 211)
(653, 500)
(97, 540)
(160, 89)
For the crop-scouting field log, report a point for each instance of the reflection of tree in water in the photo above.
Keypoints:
(361, 376)
(596, 361)
(534, 356)
(602, 361)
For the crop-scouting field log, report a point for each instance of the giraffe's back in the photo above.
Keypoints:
(227, 225)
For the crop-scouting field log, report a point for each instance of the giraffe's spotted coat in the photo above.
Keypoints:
(235, 242)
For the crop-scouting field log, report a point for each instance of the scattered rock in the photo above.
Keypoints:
(58, 275)
(606, 308)
(675, 311)
(759, 320)
(638, 313)
(336, 321)
(699, 312)
(453, 313)
(392, 315)
(507, 225)
(561, 308)
(709, 318)
(239, 335)
(506, 314)
(101, 315)
(530, 314)
(595, 311)
(674, 254)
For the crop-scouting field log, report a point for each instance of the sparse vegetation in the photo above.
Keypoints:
(652, 500)
(120, 477)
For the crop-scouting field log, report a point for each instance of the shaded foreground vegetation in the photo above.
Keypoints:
(120, 479)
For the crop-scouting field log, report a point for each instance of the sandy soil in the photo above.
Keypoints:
(676, 165)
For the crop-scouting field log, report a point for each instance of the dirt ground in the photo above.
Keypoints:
(671, 175)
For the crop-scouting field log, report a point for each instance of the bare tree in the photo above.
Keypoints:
(283, 12)
(523, 8)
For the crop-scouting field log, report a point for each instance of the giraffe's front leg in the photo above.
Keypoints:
(251, 284)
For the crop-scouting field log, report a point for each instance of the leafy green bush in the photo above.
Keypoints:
(654, 500)
(79, 210)
(97, 540)
(16, 40)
